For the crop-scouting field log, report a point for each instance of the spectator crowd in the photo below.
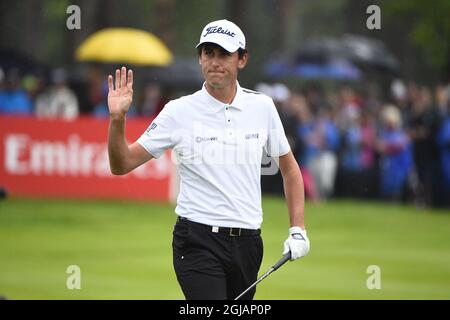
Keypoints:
(55, 96)
(348, 143)
(364, 146)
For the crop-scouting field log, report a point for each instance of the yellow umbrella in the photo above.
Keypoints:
(124, 45)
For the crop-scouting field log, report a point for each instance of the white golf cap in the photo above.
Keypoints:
(223, 33)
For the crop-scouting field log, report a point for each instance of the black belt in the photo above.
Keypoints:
(233, 232)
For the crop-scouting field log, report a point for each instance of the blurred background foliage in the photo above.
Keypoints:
(417, 32)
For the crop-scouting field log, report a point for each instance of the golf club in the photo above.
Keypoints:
(280, 262)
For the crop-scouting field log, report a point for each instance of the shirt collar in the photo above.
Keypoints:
(218, 105)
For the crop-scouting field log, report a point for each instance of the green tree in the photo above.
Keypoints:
(430, 27)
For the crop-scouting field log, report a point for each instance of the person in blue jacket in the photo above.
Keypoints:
(395, 154)
(443, 142)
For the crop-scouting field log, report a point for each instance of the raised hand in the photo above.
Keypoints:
(120, 98)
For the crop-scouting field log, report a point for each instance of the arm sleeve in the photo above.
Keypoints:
(277, 144)
(159, 135)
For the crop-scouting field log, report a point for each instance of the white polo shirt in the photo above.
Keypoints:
(218, 148)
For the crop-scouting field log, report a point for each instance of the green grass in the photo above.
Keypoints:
(124, 251)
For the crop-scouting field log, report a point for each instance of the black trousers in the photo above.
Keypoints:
(215, 265)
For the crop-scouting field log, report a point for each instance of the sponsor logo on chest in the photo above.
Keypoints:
(199, 139)
(249, 136)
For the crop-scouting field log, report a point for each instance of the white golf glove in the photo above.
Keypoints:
(297, 243)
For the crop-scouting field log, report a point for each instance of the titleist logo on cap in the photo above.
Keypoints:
(215, 29)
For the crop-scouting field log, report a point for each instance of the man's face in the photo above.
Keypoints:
(220, 67)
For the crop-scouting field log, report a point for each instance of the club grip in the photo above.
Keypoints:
(282, 261)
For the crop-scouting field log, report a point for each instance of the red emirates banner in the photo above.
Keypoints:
(69, 159)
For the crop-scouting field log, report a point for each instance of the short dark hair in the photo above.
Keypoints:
(241, 52)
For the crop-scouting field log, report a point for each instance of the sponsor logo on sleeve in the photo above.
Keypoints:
(151, 127)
